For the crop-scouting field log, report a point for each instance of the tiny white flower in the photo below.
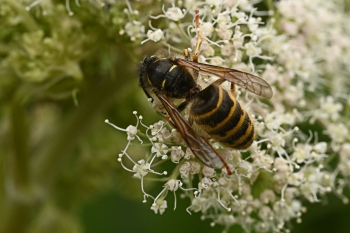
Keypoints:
(208, 172)
(238, 38)
(252, 50)
(207, 29)
(154, 35)
(195, 167)
(141, 169)
(268, 196)
(174, 13)
(266, 213)
(302, 153)
(320, 147)
(159, 206)
(215, 61)
(223, 19)
(245, 168)
(198, 204)
(157, 127)
(278, 142)
(224, 33)
(159, 149)
(131, 132)
(290, 27)
(185, 169)
(227, 49)
(135, 30)
(329, 108)
(189, 154)
(173, 185)
(205, 184)
(253, 24)
(338, 132)
(176, 154)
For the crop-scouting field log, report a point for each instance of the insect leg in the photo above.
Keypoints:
(183, 105)
(233, 86)
(186, 54)
(200, 38)
(146, 92)
(219, 81)
(233, 90)
(168, 118)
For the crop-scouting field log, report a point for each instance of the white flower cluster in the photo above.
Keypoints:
(303, 52)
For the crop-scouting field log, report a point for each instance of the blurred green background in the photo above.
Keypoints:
(61, 76)
(112, 213)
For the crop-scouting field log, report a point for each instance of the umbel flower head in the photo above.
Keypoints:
(302, 51)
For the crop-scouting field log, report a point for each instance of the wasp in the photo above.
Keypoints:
(214, 109)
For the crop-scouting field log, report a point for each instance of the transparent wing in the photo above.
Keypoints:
(198, 145)
(243, 79)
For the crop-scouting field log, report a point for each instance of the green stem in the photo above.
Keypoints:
(270, 4)
(16, 210)
(20, 134)
(190, 186)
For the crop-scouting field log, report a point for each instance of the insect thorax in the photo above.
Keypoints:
(165, 75)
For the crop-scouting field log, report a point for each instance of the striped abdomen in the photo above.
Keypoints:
(218, 113)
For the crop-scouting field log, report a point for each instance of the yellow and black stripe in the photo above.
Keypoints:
(218, 113)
